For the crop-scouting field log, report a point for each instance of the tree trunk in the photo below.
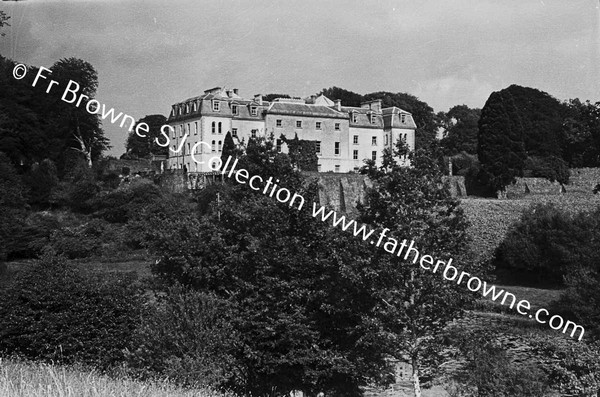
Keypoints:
(415, 375)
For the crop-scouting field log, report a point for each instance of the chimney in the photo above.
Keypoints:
(338, 105)
(235, 91)
(258, 98)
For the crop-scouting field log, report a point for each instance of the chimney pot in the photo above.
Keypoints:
(338, 104)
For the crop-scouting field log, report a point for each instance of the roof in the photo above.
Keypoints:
(302, 109)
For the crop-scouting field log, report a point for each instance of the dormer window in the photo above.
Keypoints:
(234, 110)
(372, 118)
(195, 106)
(216, 106)
(187, 108)
(403, 118)
(354, 117)
(253, 111)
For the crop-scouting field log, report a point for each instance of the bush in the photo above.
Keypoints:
(188, 337)
(54, 312)
(552, 168)
(41, 181)
(120, 205)
(489, 372)
(547, 243)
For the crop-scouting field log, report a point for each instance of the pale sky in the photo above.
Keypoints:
(151, 54)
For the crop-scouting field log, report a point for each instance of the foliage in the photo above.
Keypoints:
(348, 98)
(460, 126)
(271, 97)
(489, 372)
(582, 131)
(144, 147)
(305, 315)
(551, 167)
(121, 204)
(188, 337)
(229, 149)
(35, 125)
(52, 311)
(414, 305)
(303, 153)
(12, 206)
(42, 180)
(80, 188)
(547, 243)
(515, 123)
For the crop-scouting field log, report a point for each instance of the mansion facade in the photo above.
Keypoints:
(344, 136)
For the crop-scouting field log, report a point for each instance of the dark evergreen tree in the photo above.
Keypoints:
(515, 123)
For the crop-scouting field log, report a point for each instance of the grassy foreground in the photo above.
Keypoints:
(41, 380)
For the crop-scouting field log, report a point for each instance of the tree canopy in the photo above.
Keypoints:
(145, 147)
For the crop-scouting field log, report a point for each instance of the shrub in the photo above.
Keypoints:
(53, 311)
(41, 181)
(552, 168)
(546, 243)
(188, 337)
(120, 205)
(489, 372)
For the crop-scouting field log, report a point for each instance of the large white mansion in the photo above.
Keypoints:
(344, 136)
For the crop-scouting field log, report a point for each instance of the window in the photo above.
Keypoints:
(189, 150)
(196, 128)
(337, 149)
(253, 133)
(195, 106)
(214, 165)
(277, 123)
(298, 123)
(337, 168)
(386, 140)
(355, 155)
(403, 118)
(354, 117)
(355, 140)
(214, 126)
(234, 110)
(181, 130)
(374, 141)
(374, 155)
(234, 132)
(187, 108)
(220, 146)
(174, 132)
(318, 147)
(279, 145)
(254, 111)
(318, 125)
(372, 118)
(216, 106)
(319, 167)
(214, 146)
(337, 126)
(220, 130)
(189, 129)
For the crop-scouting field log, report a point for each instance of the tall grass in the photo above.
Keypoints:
(19, 379)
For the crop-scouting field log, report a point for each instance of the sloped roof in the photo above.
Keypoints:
(302, 109)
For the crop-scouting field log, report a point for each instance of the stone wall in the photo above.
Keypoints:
(139, 166)
(342, 192)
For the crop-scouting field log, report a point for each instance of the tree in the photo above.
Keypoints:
(515, 123)
(460, 126)
(42, 180)
(12, 206)
(348, 98)
(582, 130)
(144, 147)
(413, 203)
(305, 313)
(270, 97)
(229, 148)
(82, 127)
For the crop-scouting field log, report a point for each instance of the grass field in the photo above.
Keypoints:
(19, 379)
